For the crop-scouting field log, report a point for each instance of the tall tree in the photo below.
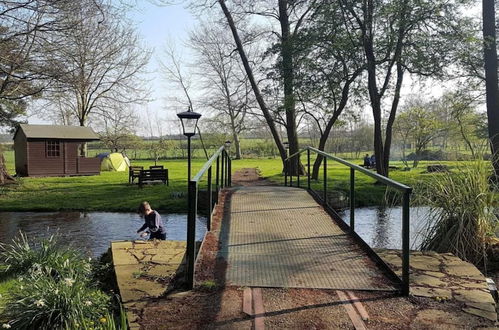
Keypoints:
(399, 37)
(290, 17)
(228, 92)
(491, 83)
(254, 85)
(99, 59)
(328, 63)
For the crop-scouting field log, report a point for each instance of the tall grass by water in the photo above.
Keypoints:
(461, 215)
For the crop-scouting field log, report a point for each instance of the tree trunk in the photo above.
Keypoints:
(258, 95)
(83, 149)
(492, 90)
(237, 145)
(4, 176)
(288, 80)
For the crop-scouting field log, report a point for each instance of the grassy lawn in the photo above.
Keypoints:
(110, 191)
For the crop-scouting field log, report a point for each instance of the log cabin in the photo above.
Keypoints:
(52, 150)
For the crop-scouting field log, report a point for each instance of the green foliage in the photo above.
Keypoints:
(43, 302)
(55, 288)
(45, 256)
(461, 211)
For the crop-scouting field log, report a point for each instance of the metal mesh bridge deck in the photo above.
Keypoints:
(281, 237)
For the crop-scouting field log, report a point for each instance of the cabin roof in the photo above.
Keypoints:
(57, 132)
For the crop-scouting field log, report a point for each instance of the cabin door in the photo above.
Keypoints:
(70, 157)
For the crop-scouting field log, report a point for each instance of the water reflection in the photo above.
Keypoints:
(381, 227)
(91, 231)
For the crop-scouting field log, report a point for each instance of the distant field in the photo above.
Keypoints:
(110, 191)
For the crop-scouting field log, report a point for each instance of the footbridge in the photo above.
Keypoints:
(289, 235)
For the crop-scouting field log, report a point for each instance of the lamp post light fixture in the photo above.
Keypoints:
(189, 120)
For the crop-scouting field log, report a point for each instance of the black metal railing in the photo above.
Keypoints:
(223, 178)
(405, 190)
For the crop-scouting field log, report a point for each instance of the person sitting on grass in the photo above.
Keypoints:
(373, 161)
(367, 161)
(152, 221)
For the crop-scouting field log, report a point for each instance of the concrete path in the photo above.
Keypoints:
(281, 237)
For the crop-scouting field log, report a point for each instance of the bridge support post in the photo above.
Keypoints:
(229, 172)
(352, 200)
(217, 179)
(405, 243)
(308, 168)
(325, 181)
(192, 203)
(222, 171)
(210, 201)
(285, 172)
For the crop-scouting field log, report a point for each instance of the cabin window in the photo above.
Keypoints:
(53, 149)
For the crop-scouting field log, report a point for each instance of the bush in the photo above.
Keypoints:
(43, 302)
(461, 213)
(45, 255)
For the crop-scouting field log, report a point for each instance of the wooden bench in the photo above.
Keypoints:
(133, 172)
(153, 175)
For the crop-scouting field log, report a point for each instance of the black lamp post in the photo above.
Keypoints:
(189, 120)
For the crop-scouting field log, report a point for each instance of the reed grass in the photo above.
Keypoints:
(461, 215)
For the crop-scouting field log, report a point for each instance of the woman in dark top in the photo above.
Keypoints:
(152, 221)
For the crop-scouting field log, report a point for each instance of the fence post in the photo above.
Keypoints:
(308, 168)
(298, 171)
(325, 181)
(290, 173)
(191, 232)
(405, 242)
(210, 201)
(352, 200)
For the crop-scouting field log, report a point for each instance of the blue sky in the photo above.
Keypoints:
(157, 25)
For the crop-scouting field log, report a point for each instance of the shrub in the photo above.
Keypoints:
(461, 212)
(43, 302)
(44, 255)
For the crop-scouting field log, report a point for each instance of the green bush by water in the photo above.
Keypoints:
(49, 286)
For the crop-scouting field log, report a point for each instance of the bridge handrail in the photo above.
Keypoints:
(207, 165)
(223, 164)
(406, 192)
(372, 174)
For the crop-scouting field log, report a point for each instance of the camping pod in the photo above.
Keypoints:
(113, 162)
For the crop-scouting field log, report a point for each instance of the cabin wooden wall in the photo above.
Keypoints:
(68, 162)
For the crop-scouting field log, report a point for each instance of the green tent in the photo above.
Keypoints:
(114, 162)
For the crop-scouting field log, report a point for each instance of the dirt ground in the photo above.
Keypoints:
(215, 306)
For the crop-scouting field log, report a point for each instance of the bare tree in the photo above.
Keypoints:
(100, 62)
(117, 125)
(228, 92)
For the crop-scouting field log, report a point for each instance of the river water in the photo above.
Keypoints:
(381, 227)
(91, 232)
